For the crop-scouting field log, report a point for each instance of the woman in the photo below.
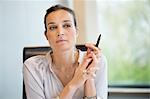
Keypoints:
(65, 72)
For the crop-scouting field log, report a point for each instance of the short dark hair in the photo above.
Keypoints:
(59, 7)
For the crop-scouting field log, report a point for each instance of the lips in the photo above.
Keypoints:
(61, 40)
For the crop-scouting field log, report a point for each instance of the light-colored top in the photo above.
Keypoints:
(42, 83)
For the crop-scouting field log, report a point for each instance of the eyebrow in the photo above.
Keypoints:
(67, 21)
(51, 23)
(63, 21)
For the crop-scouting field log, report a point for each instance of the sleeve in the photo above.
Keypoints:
(101, 79)
(33, 81)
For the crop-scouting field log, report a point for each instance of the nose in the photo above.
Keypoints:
(60, 31)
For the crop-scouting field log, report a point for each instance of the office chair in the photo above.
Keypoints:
(32, 51)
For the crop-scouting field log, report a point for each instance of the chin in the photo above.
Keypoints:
(65, 47)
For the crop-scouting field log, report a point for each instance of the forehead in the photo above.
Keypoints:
(59, 16)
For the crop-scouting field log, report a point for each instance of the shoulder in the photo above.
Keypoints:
(103, 59)
(38, 62)
(102, 64)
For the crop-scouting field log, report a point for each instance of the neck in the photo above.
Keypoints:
(65, 59)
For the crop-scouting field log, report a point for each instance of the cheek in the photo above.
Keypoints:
(50, 37)
(73, 36)
(73, 33)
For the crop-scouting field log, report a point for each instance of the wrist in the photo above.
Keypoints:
(90, 89)
(67, 92)
(90, 82)
(72, 87)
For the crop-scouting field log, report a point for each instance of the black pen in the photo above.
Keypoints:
(97, 43)
(98, 40)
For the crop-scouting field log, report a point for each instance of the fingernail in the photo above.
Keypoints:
(94, 75)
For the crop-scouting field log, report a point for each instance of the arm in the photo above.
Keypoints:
(90, 90)
(98, 85)
(33, 87)
(33, 79)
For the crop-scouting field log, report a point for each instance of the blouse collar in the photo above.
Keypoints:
(49, 58)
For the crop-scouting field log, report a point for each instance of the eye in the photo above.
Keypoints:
(67, 25)
(52, 28)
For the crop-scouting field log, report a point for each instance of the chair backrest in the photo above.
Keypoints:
(32, 51)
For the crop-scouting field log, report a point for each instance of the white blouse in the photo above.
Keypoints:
(42, 83)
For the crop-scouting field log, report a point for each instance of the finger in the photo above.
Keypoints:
(97, 51)
(88, 50)
(98, 55)
(91, 75)
(93, 69)
(91, 46)
(94, 61)
(88, 55)
(85, 74)
(88, 75)
(85, 63)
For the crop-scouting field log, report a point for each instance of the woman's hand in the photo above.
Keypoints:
(81, 74)
(78, 80)
(84, 74)
(88, 67)
(95, 53)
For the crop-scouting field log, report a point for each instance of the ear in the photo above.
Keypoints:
(45, 33)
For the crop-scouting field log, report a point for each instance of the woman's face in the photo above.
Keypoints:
(61, 31)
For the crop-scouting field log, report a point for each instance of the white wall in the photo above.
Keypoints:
(21, 24)
(0, 55)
